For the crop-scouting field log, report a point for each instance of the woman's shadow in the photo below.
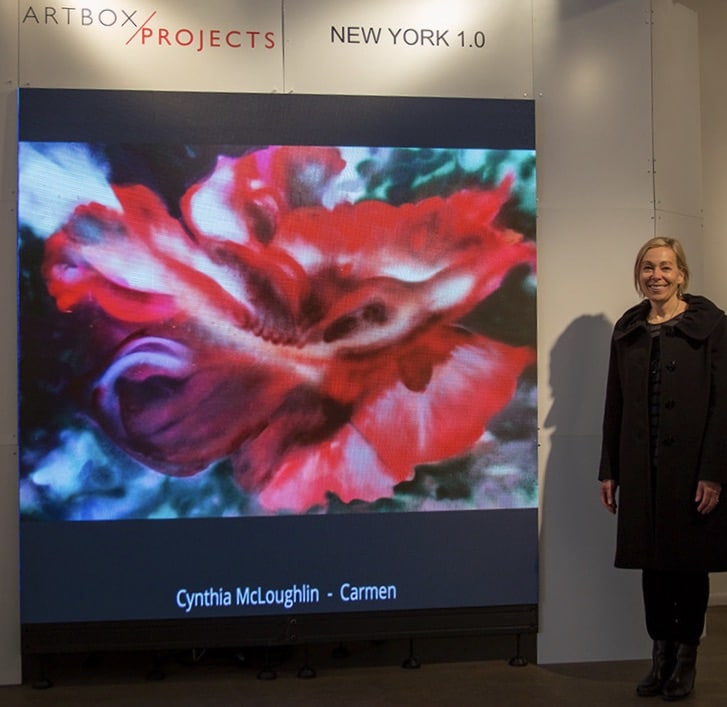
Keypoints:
(589, 610)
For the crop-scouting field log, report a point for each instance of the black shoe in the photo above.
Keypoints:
(662, 666)
(681, 681)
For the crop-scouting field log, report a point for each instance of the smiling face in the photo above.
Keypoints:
(659, 275)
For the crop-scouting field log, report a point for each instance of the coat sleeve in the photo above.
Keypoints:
(713, 463)
(611, 433)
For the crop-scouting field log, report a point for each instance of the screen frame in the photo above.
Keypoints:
(88, 116)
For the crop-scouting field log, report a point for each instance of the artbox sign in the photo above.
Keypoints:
(146, 32)
(226, 45)
(436, 48)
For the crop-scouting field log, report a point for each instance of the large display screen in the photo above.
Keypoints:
(277, 355)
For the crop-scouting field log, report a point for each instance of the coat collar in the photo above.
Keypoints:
(697, 322)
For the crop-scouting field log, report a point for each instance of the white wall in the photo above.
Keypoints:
(619, 160)
(9, 607)
(712, 23)
(592, 81)
(677, 132)
(595, 208)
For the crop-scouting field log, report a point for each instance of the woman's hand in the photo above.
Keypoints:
(707, 496)
(608, 494)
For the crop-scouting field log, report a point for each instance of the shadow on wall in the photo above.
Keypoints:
(577, 534)
(578, 367)
(577, 376)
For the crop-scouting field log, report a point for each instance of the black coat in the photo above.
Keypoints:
(658, 525)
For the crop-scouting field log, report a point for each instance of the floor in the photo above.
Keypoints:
(364, 673)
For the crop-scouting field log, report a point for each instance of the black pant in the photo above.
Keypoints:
(675, 604)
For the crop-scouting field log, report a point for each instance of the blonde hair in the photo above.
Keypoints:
(660, 242)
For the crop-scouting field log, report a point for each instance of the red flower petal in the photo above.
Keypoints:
(448, 413)
(345, 465)
(178, 410)
(461, 381)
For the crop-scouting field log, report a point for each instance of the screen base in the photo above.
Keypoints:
(277, 630)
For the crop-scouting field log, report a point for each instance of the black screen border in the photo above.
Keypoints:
(63, 115)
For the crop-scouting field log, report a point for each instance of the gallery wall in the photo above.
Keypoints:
(711, 19)
(588, 66)
(10, 666)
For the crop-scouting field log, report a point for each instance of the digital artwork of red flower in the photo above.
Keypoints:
(318, 346)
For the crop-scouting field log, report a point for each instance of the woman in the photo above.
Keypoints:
(665, 455)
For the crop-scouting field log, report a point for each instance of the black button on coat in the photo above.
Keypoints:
(658, 525)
